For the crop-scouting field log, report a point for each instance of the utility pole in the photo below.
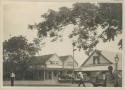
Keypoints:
(73, 44)
(44, 71)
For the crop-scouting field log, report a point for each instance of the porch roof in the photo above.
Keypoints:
(96, 68)
(40, 59)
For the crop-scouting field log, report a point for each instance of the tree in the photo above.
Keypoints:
(120, 44)
(16, 53)
(86, 19)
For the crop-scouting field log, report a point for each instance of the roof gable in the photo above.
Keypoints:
(103, 60)
(40, 59)
(65, 58)
(54, 61)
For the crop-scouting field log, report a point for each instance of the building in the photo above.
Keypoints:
(68, 64)
(50, 67)
(97, 63)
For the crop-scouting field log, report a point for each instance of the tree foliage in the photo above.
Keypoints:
(16, 53)
(87, 17)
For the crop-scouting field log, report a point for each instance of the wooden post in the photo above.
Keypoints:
(44, 72)
(38, 75)
(52, 75)
(73, 66)
(33, 75)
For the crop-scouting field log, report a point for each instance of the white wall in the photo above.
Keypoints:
(102, 60)
(69, 63)
(54, 59)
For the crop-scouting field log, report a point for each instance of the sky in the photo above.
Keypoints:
(17, 17)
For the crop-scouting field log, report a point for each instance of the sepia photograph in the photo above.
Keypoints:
(67, 44)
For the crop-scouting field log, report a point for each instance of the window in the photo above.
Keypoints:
(96, 60)
(54, 62)
(57, 62)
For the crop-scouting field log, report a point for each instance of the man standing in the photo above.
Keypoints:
(118, 79)
(81, 81)
(12, 76)
(109, 78)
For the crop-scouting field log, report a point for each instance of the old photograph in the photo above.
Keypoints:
(67, 44)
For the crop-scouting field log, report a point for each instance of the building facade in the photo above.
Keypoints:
(97, 64)
(50, 67)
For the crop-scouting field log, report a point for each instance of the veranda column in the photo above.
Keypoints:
(38, 75)
(44, 76)
(52, 74)
(33, 74)
(44, 72)
(47, 74)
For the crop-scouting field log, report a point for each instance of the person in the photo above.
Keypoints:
(118, 79)
(81, 81)
(85, 77)
(111, 78)
(12, 76)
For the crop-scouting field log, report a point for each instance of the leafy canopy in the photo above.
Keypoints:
(16, 54)
(19, 47)
(87, 17)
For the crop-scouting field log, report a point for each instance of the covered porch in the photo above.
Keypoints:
(43, 74)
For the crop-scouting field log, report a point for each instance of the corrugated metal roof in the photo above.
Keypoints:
(94, 68)
(64, 58)
(40, 59)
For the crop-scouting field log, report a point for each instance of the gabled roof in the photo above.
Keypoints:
(108, 55)
(40, 59)
(64, 58)
(96, 51)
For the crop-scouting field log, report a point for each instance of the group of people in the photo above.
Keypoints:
(111, 79)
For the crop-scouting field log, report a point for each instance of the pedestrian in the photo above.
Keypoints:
(118, 79)
(12, 76)
(110, 78)
(85, 77)
(81, 79)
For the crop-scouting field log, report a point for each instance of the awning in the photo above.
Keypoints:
(93, 68)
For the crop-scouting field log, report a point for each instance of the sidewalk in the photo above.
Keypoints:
(44, 83)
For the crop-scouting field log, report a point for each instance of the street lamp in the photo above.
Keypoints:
(116, 61)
